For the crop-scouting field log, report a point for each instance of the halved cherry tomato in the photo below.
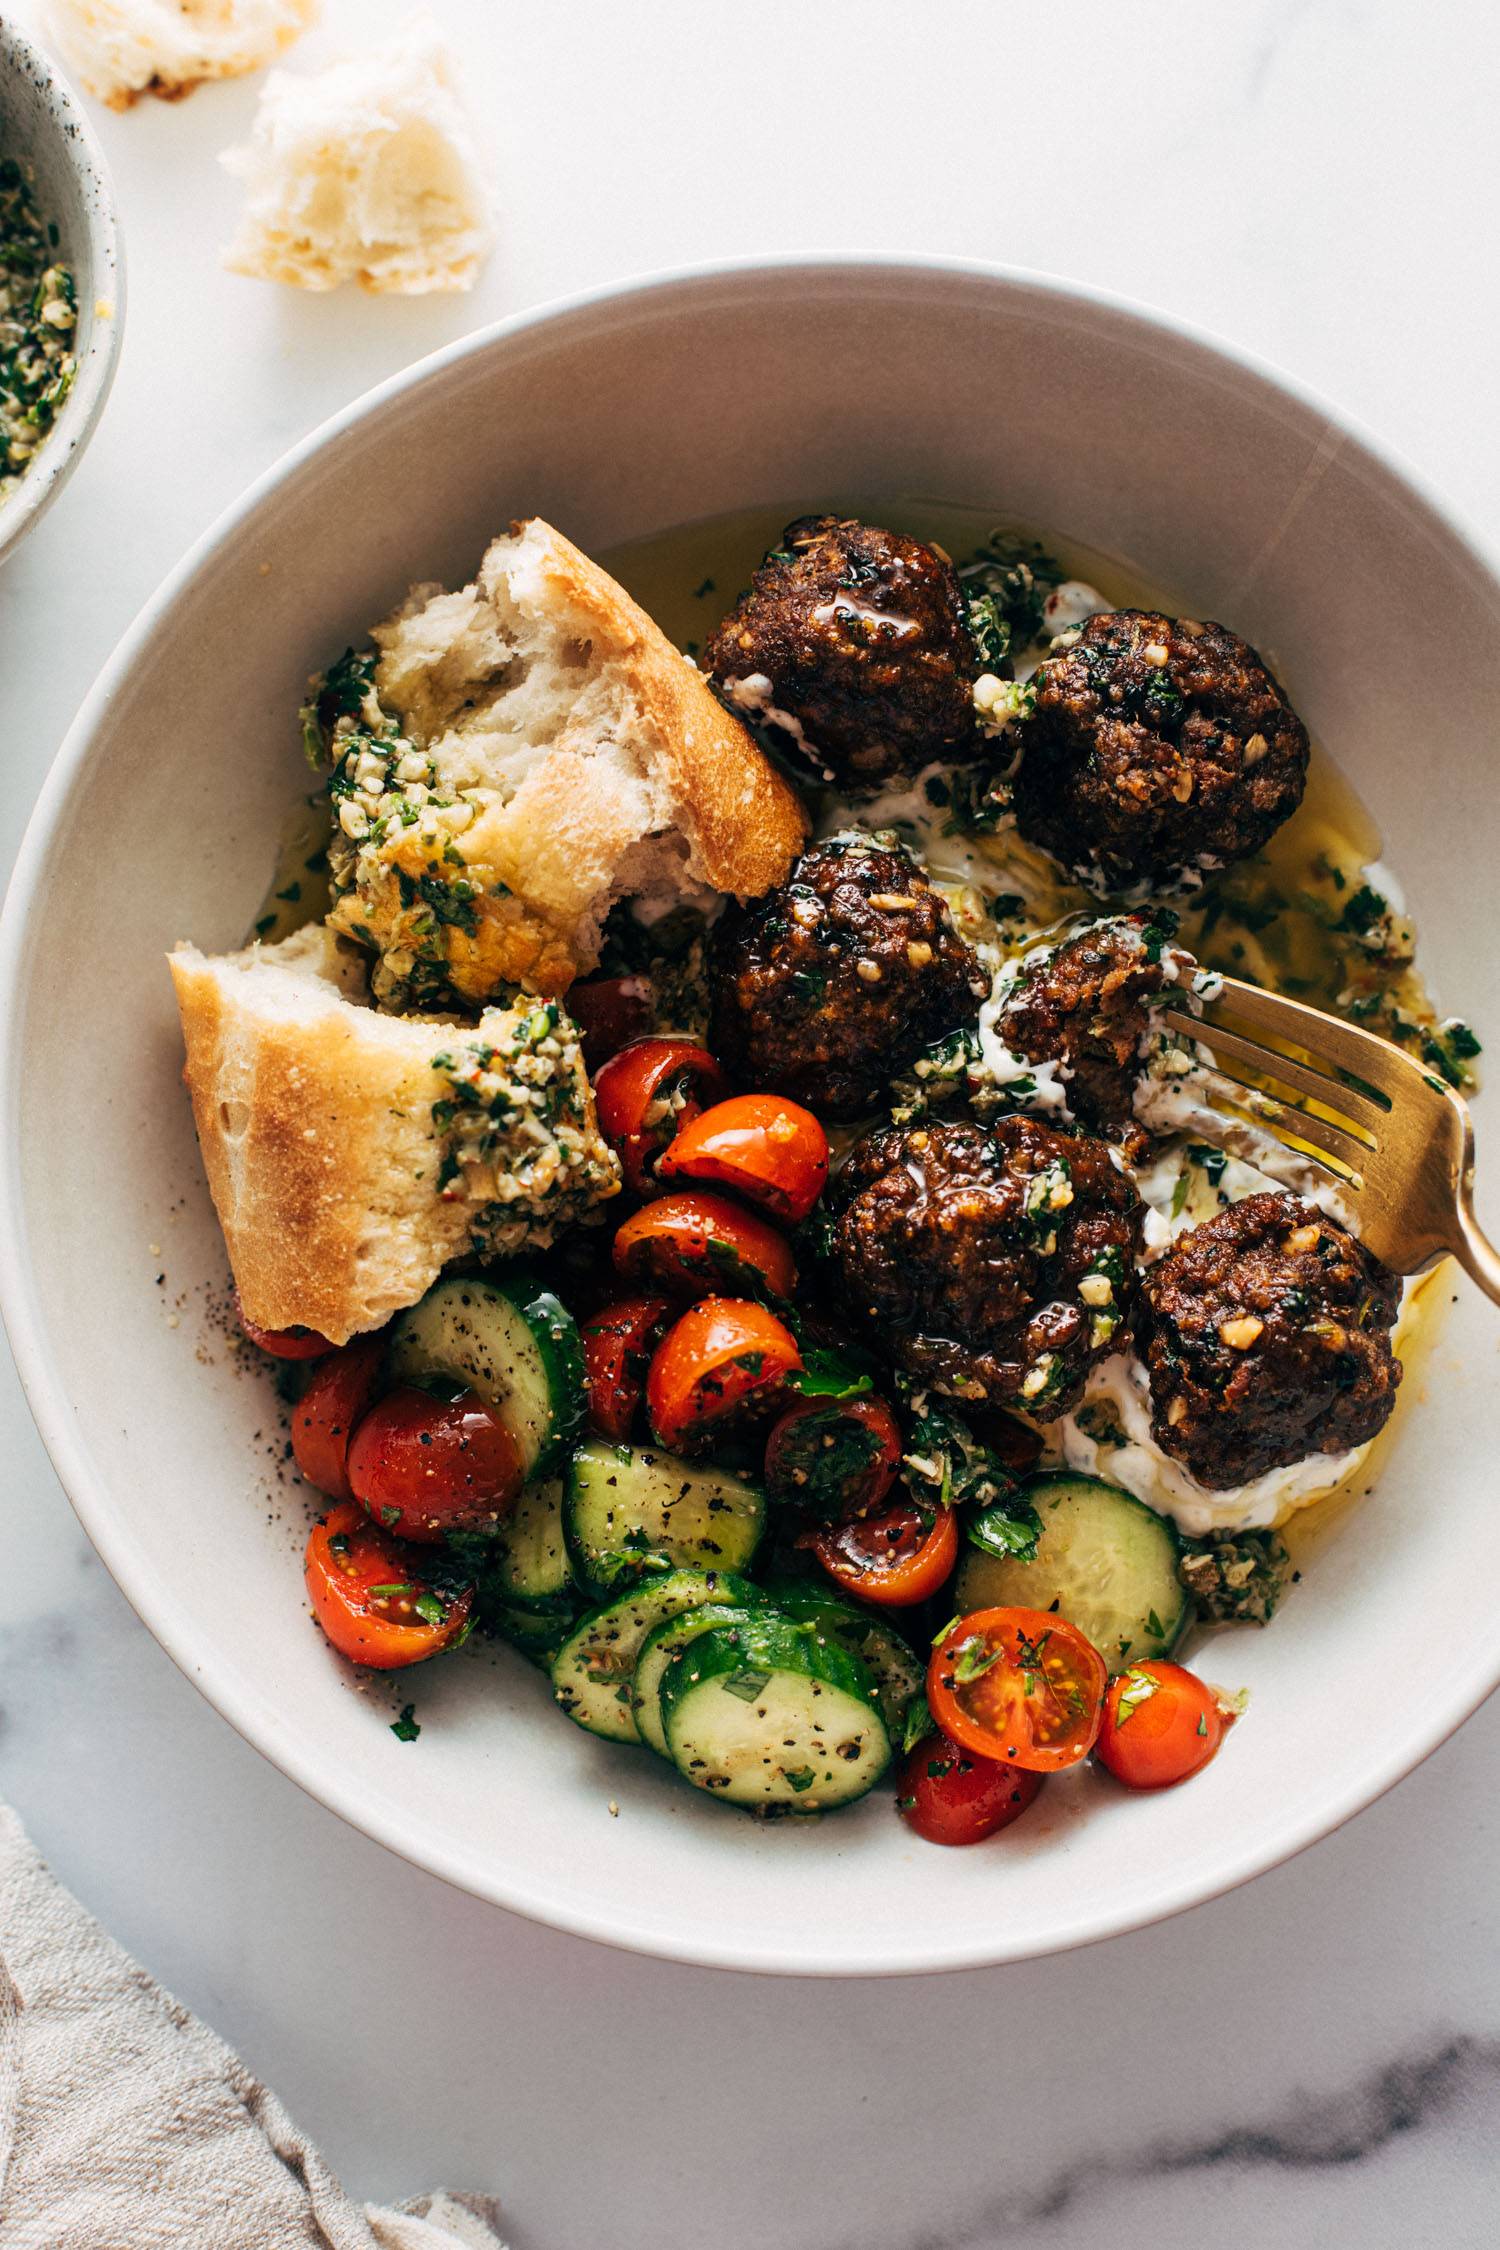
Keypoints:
(370, 1601)
(835, 1457)
(1019, 1685)
(1019, 1446)
(696, 1244)
(1161, 1724)
(610, 1012)
(426, 1466)
(722, 1365)
(949, 1795)
(323, 1421)
(771, 1151)
(282, 1343)
(896, 1556)
(618, 1342)
(646, 1093)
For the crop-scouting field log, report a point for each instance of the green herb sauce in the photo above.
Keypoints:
(38, 316)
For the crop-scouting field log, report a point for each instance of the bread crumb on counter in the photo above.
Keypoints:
(121, 49)
(366, 172)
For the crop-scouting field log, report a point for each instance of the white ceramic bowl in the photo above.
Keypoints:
(614, 415)
(43, 126)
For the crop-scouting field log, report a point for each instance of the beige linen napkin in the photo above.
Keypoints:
(125, 2124)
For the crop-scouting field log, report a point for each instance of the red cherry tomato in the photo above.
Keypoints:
(426, 1466)
(695, 1244)
(282, 1343)
(1019, 1447)
(1019, 1685)
(370, 1600)
(610, 1012)
(770, 1150)
(895, 1556)
(1161, 1724)
(722, 1365)
(646, 1093)
(618, 1342)
(951, 1796)
(836, 1457)
(323, 1422)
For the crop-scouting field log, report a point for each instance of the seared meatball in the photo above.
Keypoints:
(1085, 1006)
(994, 1265)
(1157, 745)
(852, 644)
(825, 988)
(1266, 1335)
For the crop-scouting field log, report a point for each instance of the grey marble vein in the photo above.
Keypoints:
(1312, 2132)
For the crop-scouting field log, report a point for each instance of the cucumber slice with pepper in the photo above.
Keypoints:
(593, 1672)
(897, 1674)
(630, 1511)
(513, 1343)
(1104, 1561)
(530, 1566)
(669, 1639)
(536, 1633)
(773, 1716)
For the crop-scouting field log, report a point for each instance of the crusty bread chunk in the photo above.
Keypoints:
(352, 1155)
(522, 754)
(122, 49)
(366, 172)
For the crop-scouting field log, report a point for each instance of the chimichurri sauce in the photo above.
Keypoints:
(38, 315)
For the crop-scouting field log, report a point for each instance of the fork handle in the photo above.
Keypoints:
(1474, 1251)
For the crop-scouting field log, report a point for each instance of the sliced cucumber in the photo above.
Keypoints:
(594, 1670)
(1104, 1561)
(773, 1716)
(669, 1639)
(513, 1343)
(631, 1510)
(536, 1633)
(898, 1676)
(530, 1568)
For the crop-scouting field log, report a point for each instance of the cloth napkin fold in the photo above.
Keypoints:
(125, 2124)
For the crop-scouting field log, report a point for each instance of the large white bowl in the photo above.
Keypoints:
(615, 415)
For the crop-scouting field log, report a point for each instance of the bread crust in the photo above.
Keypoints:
(638, 780)
(744, 820)
(315, 1119)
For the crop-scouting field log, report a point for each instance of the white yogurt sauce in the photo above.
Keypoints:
(1142, 1468)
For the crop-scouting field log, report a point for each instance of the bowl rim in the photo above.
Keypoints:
(1465, 1688)
(84, 407)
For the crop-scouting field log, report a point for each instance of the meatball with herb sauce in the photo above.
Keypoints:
(1266, 1334)
(852, 646)
(1085, 1006)
(994, 1265)
(829, 985)
(1157, 747)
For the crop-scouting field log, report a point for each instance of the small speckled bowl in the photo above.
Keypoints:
(43, 127)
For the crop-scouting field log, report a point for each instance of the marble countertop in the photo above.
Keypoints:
(1314, 2059)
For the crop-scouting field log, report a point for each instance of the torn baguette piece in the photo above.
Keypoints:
(367, 171)
(351, 1156)
(122, 49)
(519, 756)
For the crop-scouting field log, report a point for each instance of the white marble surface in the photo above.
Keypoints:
(1314, 2059)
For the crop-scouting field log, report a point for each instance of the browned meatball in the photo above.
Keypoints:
(994, 1265)
(1266, 1335)
(1084, 1005)
(1157, 745)
(825, 988)
(858, 637)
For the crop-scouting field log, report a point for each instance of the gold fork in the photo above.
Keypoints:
(1396, 1141)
